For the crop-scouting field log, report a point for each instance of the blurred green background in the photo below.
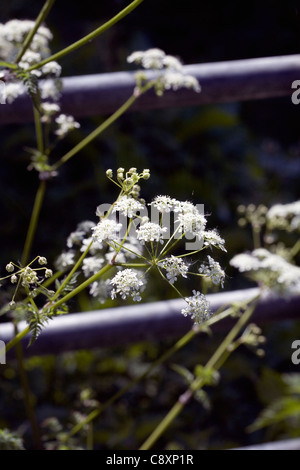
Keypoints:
(219, 155)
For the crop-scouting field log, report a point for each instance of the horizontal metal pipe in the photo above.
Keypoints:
(288, 444)
(228, 81)
(150, 321)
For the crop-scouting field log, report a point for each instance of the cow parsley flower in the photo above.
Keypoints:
(170, 71)
(284, 216)
(245, 262)
(175, 267)
(48, 110)
(214, 271)
(100, 290)
(269, 269)
(65, 125)
(91, 265)
(127, 283)
(193, 222)
(11, 91)
(176, 80)
(150, 59)
(163, 203)
(197, 308)
(52, 68)
(212, 238)
(65, 260)
(128, 206)
(106, 229)
(150, 232)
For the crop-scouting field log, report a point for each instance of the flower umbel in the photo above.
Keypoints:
(197, 308)
(175, 267)
(127, 283)
(170, 71)
(213, 270)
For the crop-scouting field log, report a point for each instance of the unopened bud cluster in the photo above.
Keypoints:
(28, 276)
(128, 181)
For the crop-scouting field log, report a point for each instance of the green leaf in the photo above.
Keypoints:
(8, 65)
(280, 410)
(185, 373)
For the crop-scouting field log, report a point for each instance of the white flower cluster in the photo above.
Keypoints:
(109, 241)
(12, 36)
(106, 229)
(65, 124)
(128, 206)
(214, 271)
(127, 283)
(175, 267)
(284, 216)
(171, 76)
(269, 269)
(189, 219)
(197, 308)
(150, 232)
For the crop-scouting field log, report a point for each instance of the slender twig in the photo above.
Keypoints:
(41, 17)
(27, 395)
(33, 222)
(102, 127)
(86, 39)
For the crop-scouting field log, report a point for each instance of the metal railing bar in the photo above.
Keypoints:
(228, 81)
(288, 444)
(150, 321)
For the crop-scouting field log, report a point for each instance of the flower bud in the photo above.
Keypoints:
(10, 267)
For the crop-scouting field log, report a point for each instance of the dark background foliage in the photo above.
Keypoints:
(221, 155)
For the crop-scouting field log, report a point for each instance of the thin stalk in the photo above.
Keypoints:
(74, 269)
(39, 195)
(82, 286)
(102, 127)
(38, 130)
(56, 304)
(41, 17)
(295, 250)
(89, 37)
(214, 362)
(33, 222)
(28, 398)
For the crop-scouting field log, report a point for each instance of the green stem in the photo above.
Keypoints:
(33, 222)
(64, 283)
(294, 250)
(170, 352)
(214, 362)
(82, 286)
(39, 196)
(90, 36)
(28, 398)
(19, 336)
(102, 127)
(56, 304)
(38, 130)
(41, 17)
